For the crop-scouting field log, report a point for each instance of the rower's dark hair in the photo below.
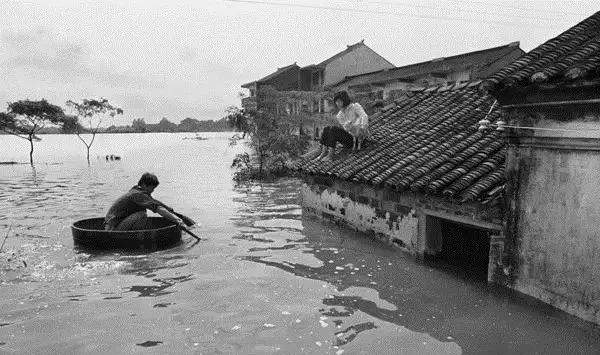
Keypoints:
(148, 179)
(342, 95)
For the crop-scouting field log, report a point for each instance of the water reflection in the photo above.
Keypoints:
(159, 290)
(344, 261)
(370, 278)
(148, 266)
(347, 335)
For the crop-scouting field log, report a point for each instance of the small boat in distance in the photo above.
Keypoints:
(90, 233)
(197, 137)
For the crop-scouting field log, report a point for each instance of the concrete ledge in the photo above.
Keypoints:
(577, 309)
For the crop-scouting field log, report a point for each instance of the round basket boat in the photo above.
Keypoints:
(90, 233)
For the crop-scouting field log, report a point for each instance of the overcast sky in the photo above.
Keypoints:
(185, 58)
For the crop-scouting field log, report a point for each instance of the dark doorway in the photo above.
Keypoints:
(462, 248)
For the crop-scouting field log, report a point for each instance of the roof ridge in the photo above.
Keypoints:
(347, 49)
(287, 66)
(508, 45)
(270, 75)
(514, 44)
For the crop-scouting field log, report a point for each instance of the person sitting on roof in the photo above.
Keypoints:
(128, 212)
(354, 128)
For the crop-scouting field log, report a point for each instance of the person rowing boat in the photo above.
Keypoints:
(128, 212)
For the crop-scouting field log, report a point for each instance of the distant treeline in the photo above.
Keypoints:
(140, 126)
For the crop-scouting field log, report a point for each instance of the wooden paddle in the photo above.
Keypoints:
(190, 233)
(188, 222)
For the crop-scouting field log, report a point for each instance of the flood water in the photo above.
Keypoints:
(265, 278)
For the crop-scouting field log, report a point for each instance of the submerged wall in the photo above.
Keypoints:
(404, 220)
(399, 228)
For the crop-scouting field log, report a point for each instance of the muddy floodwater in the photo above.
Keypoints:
(265, 279)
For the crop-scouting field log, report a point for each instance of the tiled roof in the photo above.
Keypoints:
(572, 55)
(479, 61)
(272, 75)
(429, 142)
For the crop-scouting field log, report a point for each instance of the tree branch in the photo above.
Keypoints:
(78, 134)
(98, 125)
(93, 137)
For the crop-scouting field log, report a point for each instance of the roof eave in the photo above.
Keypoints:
(248, 85)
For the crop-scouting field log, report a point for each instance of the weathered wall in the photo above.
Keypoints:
(358, 61)
(401, 229)
(402, 219)
(555, 223)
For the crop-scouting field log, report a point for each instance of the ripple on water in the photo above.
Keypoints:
(293, 224)
(51, 271)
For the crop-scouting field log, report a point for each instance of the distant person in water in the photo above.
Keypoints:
(128, 212)
(353, 129)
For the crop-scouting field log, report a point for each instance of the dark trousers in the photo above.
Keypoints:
(333, 134)
(135, 221)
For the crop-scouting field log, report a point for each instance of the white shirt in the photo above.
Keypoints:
(353, 116)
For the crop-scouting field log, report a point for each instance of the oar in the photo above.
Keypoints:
(187, 220)
(190, 233)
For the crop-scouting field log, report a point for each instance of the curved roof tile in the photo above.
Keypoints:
(429, 142)
(572, 55)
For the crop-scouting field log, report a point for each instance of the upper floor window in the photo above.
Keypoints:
(317, 78)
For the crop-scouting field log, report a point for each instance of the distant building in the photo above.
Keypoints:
(552, 225)
(305, 85)
(389, 82)
(354, 60)
(283, 79)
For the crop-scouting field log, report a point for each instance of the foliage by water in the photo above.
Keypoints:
(25, 119)
(273, 141)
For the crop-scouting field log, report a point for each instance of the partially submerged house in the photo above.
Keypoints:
(429, 181)
(552, 98)
(388, 82)
(444, 175)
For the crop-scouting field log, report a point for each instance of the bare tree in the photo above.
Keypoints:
(91, 113)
